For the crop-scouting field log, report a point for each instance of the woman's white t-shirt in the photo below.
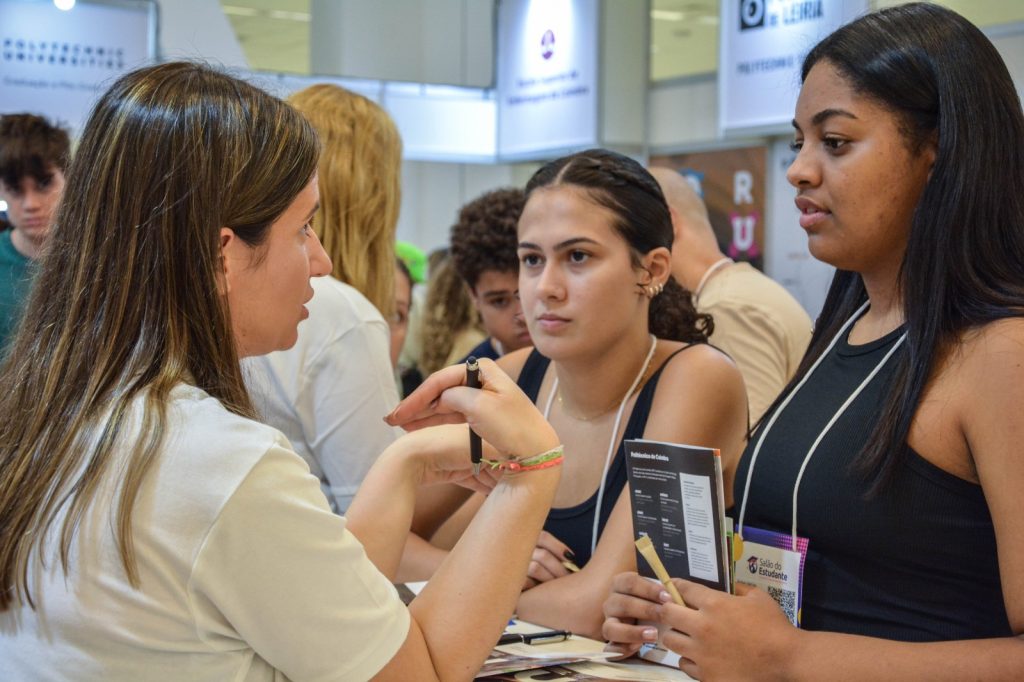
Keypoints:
(245, 573)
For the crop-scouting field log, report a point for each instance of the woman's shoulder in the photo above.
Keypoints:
(199, 423)
(1003, 334)
(512, 363)
(682, 361)
(209, 452)
(697, 369)
(993, 347)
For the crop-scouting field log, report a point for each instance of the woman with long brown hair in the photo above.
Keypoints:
(150, 528)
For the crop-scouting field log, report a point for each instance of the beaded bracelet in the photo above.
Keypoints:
(544, 460)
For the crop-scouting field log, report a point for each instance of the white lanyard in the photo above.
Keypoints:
(615, 432)
(824, 431)
(707, 275)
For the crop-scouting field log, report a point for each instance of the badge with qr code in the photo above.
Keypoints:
(765, 560)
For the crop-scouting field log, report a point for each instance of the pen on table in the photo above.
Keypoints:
(473, 381)
(545, 637)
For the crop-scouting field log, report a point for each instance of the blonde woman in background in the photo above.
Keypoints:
(329, 392)
(450, 324)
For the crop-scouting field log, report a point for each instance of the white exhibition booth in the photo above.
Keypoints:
(568, 74)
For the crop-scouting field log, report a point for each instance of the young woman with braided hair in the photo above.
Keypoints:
(620, 353)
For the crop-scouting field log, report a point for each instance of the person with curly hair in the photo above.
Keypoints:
(483, 250)
(450, 326)
(33, 157)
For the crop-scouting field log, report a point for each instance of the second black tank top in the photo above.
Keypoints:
(916, 563)
(575, 525)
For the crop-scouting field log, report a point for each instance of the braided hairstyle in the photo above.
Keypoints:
(624, 187)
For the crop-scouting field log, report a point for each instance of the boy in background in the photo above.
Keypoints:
(483, 249)
(33, 158)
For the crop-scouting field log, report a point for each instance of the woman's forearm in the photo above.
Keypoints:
(420, 560)
(567, 603)
(464, 608)
(381, 512)
(827, 655)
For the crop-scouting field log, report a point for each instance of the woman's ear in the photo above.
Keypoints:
(228, 264)
(658, 262)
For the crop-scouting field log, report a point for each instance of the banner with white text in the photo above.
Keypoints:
(547, 77)
(762, 44)
(56, 63)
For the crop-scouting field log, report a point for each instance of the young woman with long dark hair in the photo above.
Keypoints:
(895, 448)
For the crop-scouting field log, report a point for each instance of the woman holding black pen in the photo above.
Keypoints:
(151, 528)
(895, 451)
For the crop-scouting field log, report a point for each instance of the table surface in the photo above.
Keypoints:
(633, 670)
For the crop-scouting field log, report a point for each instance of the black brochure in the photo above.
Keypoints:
(678, 501)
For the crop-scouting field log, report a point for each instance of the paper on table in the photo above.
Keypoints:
(515, 657)
(629, 672)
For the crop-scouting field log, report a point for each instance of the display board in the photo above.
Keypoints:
(547, 76)
(732, 184)
(55, 63)
(762, 44)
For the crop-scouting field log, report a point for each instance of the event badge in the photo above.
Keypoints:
(765, 559)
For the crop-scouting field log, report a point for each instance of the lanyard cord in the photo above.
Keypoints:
(821, 436)
(707, 275)
(615, 432)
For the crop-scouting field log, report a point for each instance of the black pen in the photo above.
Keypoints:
(475, 447)
(545, 637)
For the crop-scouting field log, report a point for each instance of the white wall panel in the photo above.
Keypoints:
(683, 113)
(198, 29)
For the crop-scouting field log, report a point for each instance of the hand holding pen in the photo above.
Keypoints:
(498, 412)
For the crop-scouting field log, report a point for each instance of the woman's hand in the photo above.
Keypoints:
(442, 453)
(498, 410)
(632, 599)
(546, 562)
(728, 637)
(717, 635)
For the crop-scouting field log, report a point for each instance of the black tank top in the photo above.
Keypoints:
(575, 525)
(918, 562)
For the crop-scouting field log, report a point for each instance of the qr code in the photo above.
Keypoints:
(786, 599)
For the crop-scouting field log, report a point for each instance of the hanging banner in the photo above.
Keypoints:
(56, 63)
(547, 77)
(732, 184)
(762, 44)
